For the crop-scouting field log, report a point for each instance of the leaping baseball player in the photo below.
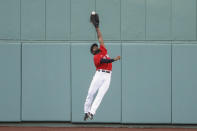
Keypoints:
(102, 77)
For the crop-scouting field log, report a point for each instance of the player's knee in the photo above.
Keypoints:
(90, 94)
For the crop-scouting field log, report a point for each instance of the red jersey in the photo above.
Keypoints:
(102, 55)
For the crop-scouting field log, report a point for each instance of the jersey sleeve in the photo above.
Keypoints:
(103, 49)
(106, 60)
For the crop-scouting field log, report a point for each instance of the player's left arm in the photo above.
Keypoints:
(100, 37)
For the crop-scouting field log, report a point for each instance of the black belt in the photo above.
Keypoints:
(104, 71)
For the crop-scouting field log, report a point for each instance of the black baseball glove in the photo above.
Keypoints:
(94, 19)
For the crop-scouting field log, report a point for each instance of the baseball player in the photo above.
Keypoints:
(101, 80)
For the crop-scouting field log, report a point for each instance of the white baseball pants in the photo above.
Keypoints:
(100, 83)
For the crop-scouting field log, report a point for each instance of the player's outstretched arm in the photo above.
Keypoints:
(109, 60)
(94, 19)
(99, 35)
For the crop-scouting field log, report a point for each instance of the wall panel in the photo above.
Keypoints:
(81, 28)
(133, 19)
(184, 19)
(10, 19)
(146, 83)
(46, 82)
(57, 19)
(158, 20)
(10, 82)
(82, 73)
(109, 14)
(184, 84)
(33, 19)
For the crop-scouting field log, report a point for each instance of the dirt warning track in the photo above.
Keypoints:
(90, 129)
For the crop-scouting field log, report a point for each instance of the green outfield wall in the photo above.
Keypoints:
(46, 66)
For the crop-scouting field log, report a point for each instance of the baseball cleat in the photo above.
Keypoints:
(86, 117)
(90, 115)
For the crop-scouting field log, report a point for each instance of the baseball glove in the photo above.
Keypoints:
(94, 19)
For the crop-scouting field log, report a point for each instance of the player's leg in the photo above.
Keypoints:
(101, 92)
(96, 82)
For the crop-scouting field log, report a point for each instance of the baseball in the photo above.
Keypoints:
(93, 12)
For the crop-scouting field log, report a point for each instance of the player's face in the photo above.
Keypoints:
(95, 49)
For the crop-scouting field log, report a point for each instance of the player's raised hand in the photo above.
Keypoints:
(117, 58)
(94, 19)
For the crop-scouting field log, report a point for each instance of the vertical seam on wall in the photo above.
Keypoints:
(45, 19)
(145, 17)
(171, 53)
(20, 67)
(70, 20)
(70, 85)
(121, 82)
(66, 37)
(21, 85)
(171, 82)
(172, 14)
(20, 20)
(126, 33)
(70, 66)
(120, 63)
(196, 19)
(120, 22)
(171, 20)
